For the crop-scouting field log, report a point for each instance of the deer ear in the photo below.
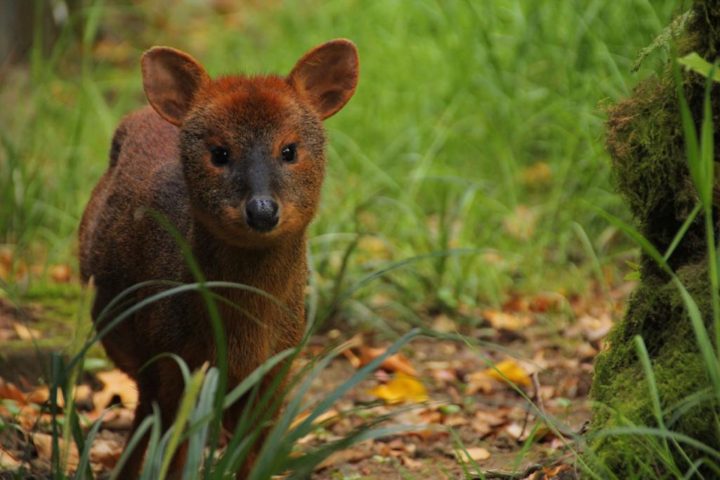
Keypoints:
(171, 78)
(327, 76)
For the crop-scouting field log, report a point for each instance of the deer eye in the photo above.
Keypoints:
(220, 156)
(289, 153)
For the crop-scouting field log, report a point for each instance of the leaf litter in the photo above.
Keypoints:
(461, 407)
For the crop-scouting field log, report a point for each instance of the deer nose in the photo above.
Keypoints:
(261, 213)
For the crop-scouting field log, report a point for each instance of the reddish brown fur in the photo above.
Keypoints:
(161, 160)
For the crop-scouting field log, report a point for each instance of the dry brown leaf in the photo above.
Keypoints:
(480, 382)
(595, 328)
(29, 417)
(116, 383)
(443, 375)
(328, 418)
(555, 472)
(475, 454)
(8, 391)
(41, 395)
(60, 273)
(401, 389)
(8, 461)
(115, 419)
(507, 321)
(25, 333)
(43, 445)
(430, 415)
(350, 455)
(455, 420)
(352, 358)
(485, 422)
(516, 431)
(410, 463)
(544, 302)
(105, 453)
(444, 324)
(395, 363)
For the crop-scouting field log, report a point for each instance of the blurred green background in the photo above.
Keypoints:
(472, 152)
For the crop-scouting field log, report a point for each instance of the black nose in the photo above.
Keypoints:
(261, 213)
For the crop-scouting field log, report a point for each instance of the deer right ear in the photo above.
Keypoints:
(327, 76)
(171, 78)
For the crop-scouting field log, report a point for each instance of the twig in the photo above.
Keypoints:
(513, 475)
(536, 398)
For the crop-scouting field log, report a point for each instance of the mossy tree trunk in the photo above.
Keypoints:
(645, 140)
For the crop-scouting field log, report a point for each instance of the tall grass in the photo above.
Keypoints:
(200, 410)
(457, 102)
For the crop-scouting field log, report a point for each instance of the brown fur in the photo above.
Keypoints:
(161, 160)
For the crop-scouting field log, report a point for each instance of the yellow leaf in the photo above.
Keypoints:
(401, 389)
(510, 370)
(537, 174)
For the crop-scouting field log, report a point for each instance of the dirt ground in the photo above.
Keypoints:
(451, 397)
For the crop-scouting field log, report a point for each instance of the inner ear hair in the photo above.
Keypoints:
(327, 76)
(171, 79)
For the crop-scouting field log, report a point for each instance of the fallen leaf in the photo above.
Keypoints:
(480, 382)
(25, 333)
(115, 419)
(401, 389)
(595, 328)
(9, 391)
(8, 460)
(60, 273)
(115, 383)
(475, 454)
(507, 321)
(352, 358)
(511, 370)
(516, 431)
(411, 463)
(443, 375)
(350, 455)
(43, 445)
(395, 363)
(456, 420)
(444, 324)
(555, 472)
(520, 224)
(537, 174)
(543, 302)
(106, 453)
(328, 417)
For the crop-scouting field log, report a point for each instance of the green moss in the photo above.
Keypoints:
(645, 140)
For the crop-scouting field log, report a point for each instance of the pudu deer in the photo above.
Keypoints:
(235, 164)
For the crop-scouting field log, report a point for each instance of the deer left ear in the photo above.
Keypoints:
(327, 76)
(171, 78)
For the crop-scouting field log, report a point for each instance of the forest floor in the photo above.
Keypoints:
(458, 414)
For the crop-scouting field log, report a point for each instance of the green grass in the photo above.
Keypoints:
(456, 100)
(432, 163)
